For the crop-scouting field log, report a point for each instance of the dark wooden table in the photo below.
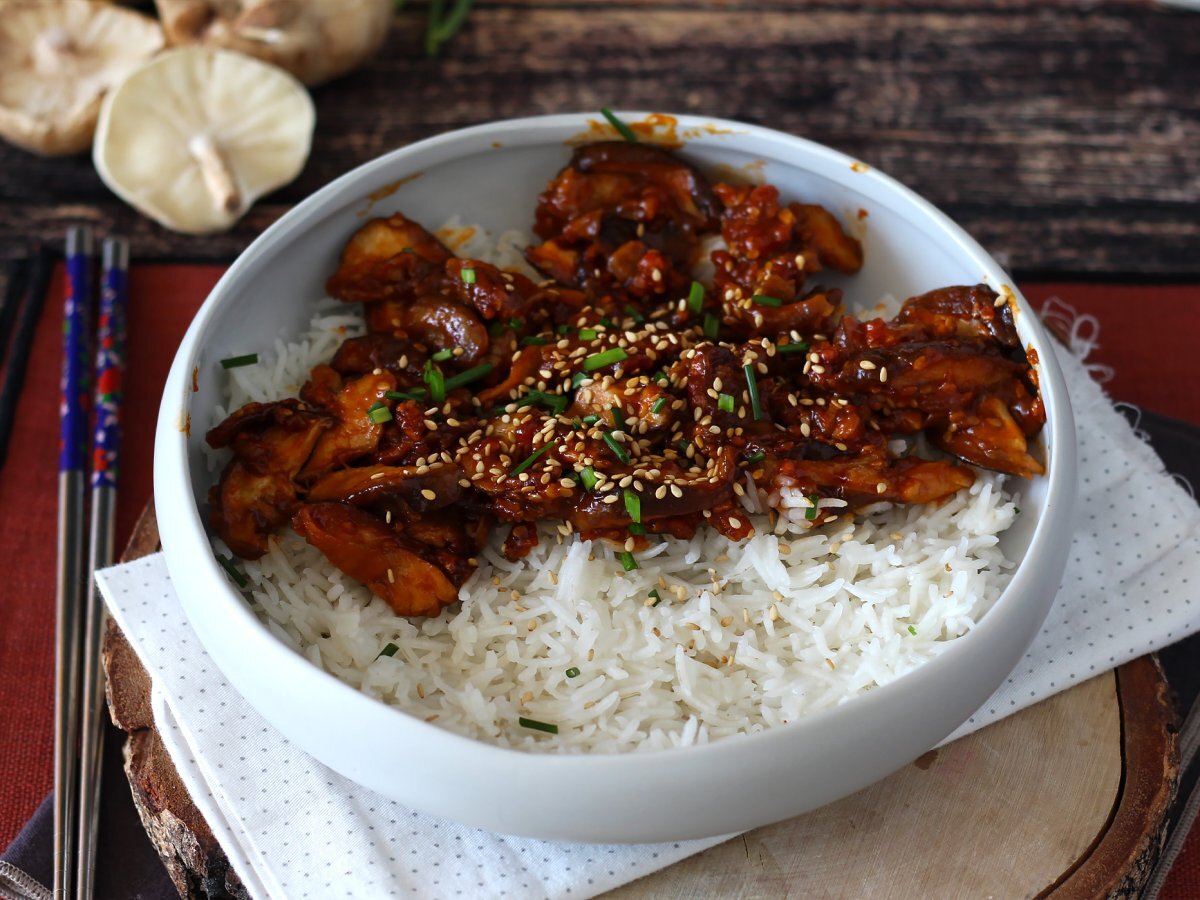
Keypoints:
(1065, 136)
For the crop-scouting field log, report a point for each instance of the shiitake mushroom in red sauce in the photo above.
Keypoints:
(618, 397)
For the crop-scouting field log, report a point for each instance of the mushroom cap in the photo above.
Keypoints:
(195, 136)
(315, 40)
(58, 61)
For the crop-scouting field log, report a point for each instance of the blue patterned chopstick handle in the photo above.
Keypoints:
(110, 363)
(73, 387)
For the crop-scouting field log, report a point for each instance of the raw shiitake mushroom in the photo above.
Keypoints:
(315, 40)
(56, 62)
(196, 135)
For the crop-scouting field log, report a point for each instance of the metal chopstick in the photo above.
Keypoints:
(106, 441)
(71, 573)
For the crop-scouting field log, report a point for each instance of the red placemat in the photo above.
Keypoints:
(162, 301)
(1146, 336)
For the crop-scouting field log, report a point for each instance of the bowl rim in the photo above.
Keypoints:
(183, 531)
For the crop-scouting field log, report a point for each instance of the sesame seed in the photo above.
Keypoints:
(866, 364)
(428, 494)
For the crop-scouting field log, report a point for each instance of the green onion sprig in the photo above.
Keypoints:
(379, 413)
(633, 505)
(607, 358)
(618, 451)
(536, 725)
(795, 347)
(532, 458)
(236, 362)
(752, 388)
(622, 129)
(228, 566)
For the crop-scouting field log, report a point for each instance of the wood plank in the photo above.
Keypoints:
(1037, 787)
(1066, 138)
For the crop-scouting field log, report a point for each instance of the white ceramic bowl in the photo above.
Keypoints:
(491, 174)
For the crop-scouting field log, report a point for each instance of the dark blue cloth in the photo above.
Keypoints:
(127, 866)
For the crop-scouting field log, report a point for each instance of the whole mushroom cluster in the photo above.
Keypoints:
(190, 137)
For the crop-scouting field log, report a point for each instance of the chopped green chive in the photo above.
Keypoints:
(657, 597)
(588, 334)
(578, 378)
(436, 382)
(464, 378)
(615, 447)
(633, 505)
(628, 563)
(591, 420)
(532, 458)
(662, 377)
(555, 402)
(533, 340)
(658, 405)
(752, 387)
(516, 324)
(607, 358)
(228, 566)
(712, 325)
(563, 329)
(637, 529)
(235, 362)
(683, 445)
(589, 478)
(622, 129)
(811, 512)
(630, 311)
(414, 394)
(756, 457)
(536, 725)
(912, 631)
(695, 298)
(607, 322)
(443, 355)
(618, 418)
(725, 403)
(468, 276)
(795, 347)
(379, 414)
(573, 672)
(764, 300)
(389, 650)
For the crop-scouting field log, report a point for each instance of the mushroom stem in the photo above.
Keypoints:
(217, 177)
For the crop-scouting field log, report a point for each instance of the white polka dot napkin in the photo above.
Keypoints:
(294, 829)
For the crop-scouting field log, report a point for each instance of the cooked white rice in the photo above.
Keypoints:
(747, 635)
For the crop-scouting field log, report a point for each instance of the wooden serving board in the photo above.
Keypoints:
(1067, 799)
